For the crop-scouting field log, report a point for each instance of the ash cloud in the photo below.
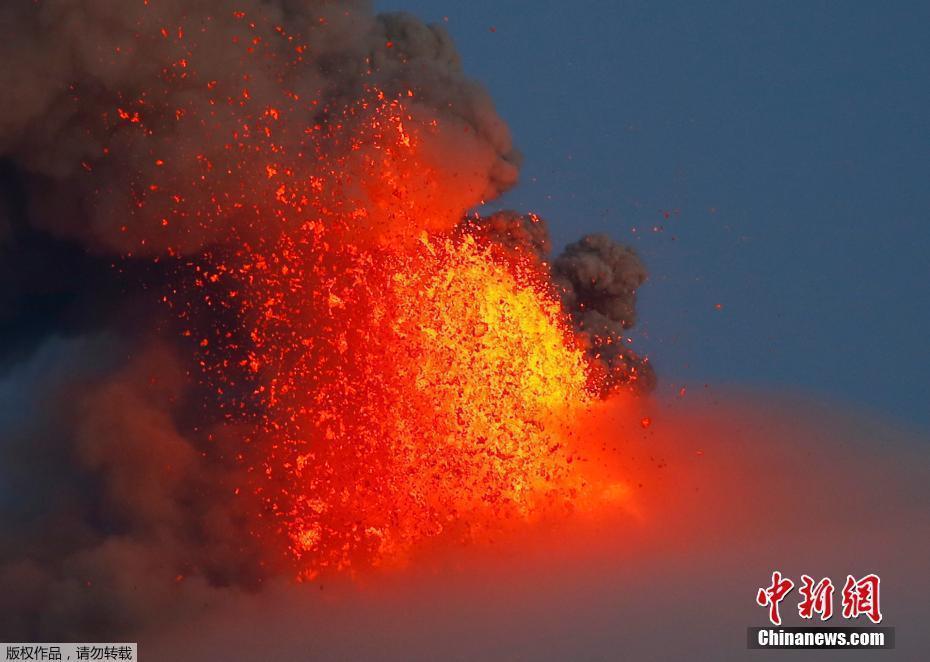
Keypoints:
(113, 514)
(598, 278)
(117, 512)
(104, 100)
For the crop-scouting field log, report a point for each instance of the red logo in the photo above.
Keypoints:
(817, 599)
(860, 597)
(773, 595)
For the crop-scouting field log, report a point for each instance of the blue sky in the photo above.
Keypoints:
(788, 144)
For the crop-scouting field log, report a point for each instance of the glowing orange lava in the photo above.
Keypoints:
(402, 381)
(450, 408)
(390, 376)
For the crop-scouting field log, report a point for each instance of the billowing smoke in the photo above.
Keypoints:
(113, 109)
(135, 140)
(107, 504)
(599, 278)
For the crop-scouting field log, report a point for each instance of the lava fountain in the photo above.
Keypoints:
(379, 368)
(404, 380)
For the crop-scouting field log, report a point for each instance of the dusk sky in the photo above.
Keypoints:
(790, 146)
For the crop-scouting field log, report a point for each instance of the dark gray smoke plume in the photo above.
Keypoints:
(117, 500)
(598, 278)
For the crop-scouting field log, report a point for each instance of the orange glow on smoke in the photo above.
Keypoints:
(390, 377)
(401, 380)
(410, 382)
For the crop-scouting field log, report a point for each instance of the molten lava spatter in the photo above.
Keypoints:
(445, 403)
(401, 380)
(396, 377)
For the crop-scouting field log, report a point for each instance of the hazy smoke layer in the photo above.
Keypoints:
(117, 511)
(721, 494)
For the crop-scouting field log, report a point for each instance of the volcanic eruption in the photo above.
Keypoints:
(282, 344)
